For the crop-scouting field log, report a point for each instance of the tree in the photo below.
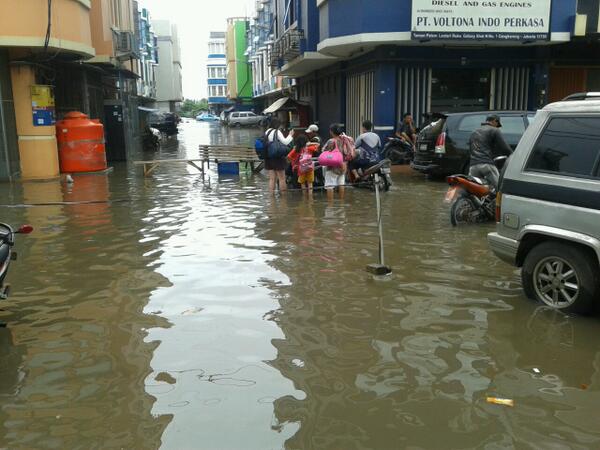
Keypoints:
(191, 108)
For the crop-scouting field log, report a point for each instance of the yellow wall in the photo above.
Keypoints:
(23, 23)
(230, 52)
(37, 145)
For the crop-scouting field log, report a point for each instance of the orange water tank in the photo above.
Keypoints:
(80, 144)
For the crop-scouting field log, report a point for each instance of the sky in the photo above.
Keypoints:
(195, 19)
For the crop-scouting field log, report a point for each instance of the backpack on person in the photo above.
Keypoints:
(260, 147)
(347, 147)
(277, 149)
(305, 163)
(369, 154)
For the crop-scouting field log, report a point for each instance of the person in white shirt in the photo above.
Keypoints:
(276, 167)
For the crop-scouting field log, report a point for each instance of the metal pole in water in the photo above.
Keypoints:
(381, 268)
(378, 200)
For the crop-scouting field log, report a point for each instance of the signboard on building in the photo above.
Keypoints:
(42, 105)
(477, 20)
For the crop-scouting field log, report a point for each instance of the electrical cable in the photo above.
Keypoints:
(49, 27)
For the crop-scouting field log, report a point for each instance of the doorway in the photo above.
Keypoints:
(457, 90)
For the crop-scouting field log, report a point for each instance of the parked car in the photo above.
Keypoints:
(245, 118)
(548, 207)
(165, 122)
(443, 146)
(207, 118)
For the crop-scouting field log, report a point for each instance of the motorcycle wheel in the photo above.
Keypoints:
(462, 211)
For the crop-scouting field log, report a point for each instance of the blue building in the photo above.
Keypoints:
(148, 56)
(216, 67)
(378, 59)
(262, 34)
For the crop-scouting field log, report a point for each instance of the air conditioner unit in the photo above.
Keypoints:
(125, 42)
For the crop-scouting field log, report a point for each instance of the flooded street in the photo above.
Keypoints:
(179, 313)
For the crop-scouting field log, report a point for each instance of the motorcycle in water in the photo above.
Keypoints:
(7, 241)
(367, 177)
(398, 151)
(151, 139)
(472, 200)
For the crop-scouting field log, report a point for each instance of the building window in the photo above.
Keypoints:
(568, 146)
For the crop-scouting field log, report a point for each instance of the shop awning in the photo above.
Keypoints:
(285, 103)
(143, 108)
(276, 106)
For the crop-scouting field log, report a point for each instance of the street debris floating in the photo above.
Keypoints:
(501, 401)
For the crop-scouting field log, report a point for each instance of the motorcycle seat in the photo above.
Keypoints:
(468, 178)
(371, 170)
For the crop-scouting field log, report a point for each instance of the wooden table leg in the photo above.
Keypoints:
(191, 163)
(148, 168)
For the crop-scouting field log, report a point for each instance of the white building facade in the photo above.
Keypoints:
(169, 87)
(216, 71)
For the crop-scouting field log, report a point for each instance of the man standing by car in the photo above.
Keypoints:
(485, 143)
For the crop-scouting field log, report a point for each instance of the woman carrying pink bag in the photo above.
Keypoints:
(336, 152)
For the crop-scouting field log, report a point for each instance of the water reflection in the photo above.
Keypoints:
(214, 353)
(76, 314)
(397, 364)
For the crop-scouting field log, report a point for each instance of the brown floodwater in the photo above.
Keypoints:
(183, 313)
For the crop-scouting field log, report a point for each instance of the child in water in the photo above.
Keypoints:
(302, 163)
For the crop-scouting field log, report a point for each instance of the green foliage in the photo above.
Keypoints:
(191, 108)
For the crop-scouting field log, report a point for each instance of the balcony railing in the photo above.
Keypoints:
(287, 47)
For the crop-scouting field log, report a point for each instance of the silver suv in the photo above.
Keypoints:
(548, 208)
(237, 119)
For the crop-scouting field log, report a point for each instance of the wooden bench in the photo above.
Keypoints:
(231, 153)
(149, 166)
(208, 153)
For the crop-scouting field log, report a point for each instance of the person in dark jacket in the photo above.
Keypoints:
(485, 144)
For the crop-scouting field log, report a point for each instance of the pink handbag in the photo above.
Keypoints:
(332, 158)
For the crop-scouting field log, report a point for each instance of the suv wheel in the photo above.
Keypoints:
(561, 276)
(237, 124)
